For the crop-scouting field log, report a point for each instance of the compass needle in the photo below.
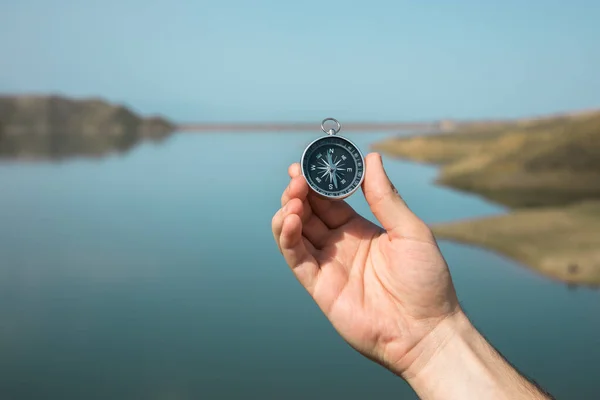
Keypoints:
(329, 159)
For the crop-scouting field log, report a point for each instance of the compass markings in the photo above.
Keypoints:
(335, 168)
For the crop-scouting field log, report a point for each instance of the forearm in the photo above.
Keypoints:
(456, 362)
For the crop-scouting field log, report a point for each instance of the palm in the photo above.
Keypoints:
(382, 291)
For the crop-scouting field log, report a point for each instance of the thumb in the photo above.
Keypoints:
(387, 205)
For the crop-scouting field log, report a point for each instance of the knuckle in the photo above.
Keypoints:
(379, 196)
(285, 195)
(276, 219)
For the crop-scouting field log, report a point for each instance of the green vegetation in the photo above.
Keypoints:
(547, 168)
(57, 127)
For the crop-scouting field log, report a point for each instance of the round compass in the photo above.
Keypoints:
(332, 165)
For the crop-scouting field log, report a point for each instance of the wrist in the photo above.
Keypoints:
(454, 361)
(427, 357)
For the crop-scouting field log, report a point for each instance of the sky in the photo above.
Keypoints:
(263, 60)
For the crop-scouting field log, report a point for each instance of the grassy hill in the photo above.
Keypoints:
(547, 169)
(552, 161)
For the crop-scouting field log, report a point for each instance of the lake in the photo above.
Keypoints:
(154, 275)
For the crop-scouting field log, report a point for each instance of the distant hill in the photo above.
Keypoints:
(537, 162)
(547, 168)
(57, 127)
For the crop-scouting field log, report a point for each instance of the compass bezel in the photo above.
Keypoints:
(311, 186)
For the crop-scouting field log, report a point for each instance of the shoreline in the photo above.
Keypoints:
(546, 174)
(478, 231)
(536, 240)
(365, 127)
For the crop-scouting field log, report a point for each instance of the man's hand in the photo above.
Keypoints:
(388, 291)
(384, 290)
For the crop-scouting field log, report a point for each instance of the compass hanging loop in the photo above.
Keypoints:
(331, 131)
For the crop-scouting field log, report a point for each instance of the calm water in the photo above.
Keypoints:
(155, 276)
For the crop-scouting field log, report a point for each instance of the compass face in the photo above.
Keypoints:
(333, 166)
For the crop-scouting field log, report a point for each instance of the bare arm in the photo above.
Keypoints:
(456, 362)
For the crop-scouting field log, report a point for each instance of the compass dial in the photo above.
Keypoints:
(333, 166)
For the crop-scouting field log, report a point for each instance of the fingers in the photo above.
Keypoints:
(294, 170)
(294, 200)
(296, 253)
(387, 205)
(312, 227)
(277, 222)
(297, 188)
(333, 213)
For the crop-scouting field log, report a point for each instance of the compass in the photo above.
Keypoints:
(332, 165)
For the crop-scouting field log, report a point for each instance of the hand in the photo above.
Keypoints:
(383, 289)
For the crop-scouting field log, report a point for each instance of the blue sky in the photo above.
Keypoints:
(304, 60)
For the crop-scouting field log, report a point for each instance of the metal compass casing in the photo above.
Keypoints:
(332, 165)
